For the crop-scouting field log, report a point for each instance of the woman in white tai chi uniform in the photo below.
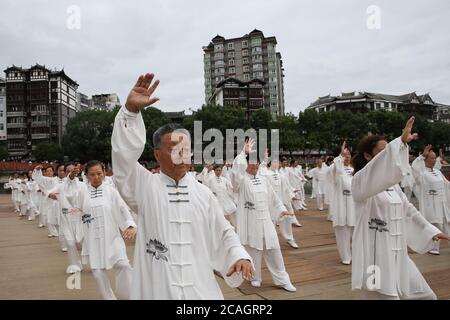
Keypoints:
(342, 209)
(387, 223)
(433, 191)
(104, 216)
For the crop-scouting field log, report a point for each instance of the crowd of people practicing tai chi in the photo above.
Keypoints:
(188, 226)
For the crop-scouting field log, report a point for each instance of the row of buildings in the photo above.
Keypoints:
(247, 72)
(423, 105)
(36, 104)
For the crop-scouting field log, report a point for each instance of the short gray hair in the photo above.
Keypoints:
(168, 128)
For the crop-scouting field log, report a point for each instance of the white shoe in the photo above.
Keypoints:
(293, 244)
(73, 269)
(41, 226)
(256, 283)
(434, 252)
(289, 287)
(64, 249)
(298, 225)
(51, 236)
(346, 262)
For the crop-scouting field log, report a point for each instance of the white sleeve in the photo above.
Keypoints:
(127, 144)
(226, 248)
(238, 170)
(418, 167)
(383, 171)
(419, 232)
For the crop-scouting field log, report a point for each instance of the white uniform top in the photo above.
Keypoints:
(223, 190)
(433, 190)
(257, 203)
(342, 208)
(182, 233)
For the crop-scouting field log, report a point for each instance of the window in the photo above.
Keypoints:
(245, 61)
(218, 47)
(246, 76)
(231, 54)
(244, 44)
(54, 84)
(256, 49)
(231, 46)
(246, 68)
(1, 113)
(256, 42)
(231, 62)
(2, 126)
(245, 52)
(232, 70)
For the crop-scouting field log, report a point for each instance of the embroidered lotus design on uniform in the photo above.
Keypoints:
(347, 193)
(249, 205)
(157, 249)
(65, 211)
(87, 219)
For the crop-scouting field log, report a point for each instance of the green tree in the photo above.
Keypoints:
(3, 153)
(48, 151)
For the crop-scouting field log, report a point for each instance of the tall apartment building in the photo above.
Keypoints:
(2, 109)
(250, 57)
(39, 103)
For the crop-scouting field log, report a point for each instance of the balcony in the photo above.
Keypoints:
(40, 136)
(15, 114)
(16, 136)
(16, 125)
(40, 113)
(35, 124)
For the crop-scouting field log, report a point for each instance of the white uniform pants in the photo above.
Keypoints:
(123, 281)
(320, 200)
(286, 228)
(343, 241)
(274, 262)
(374, 295)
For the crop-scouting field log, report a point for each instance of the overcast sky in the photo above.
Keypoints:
(326, 45)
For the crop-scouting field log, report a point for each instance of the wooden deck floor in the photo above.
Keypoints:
(33, 267)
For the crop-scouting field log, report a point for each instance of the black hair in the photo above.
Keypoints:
(93, 163)
(366, 145)
(217, 166)
(168, 128)
(59, 165)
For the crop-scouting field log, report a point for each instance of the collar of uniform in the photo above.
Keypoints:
(100, 187)
(251, 176)
(171, 181)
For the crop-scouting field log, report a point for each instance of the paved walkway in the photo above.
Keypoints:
(33, 267)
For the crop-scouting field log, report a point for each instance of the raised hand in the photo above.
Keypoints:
(427, 150)
(248, 146)
(343, 147)
(140, 95)
(407, 135)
